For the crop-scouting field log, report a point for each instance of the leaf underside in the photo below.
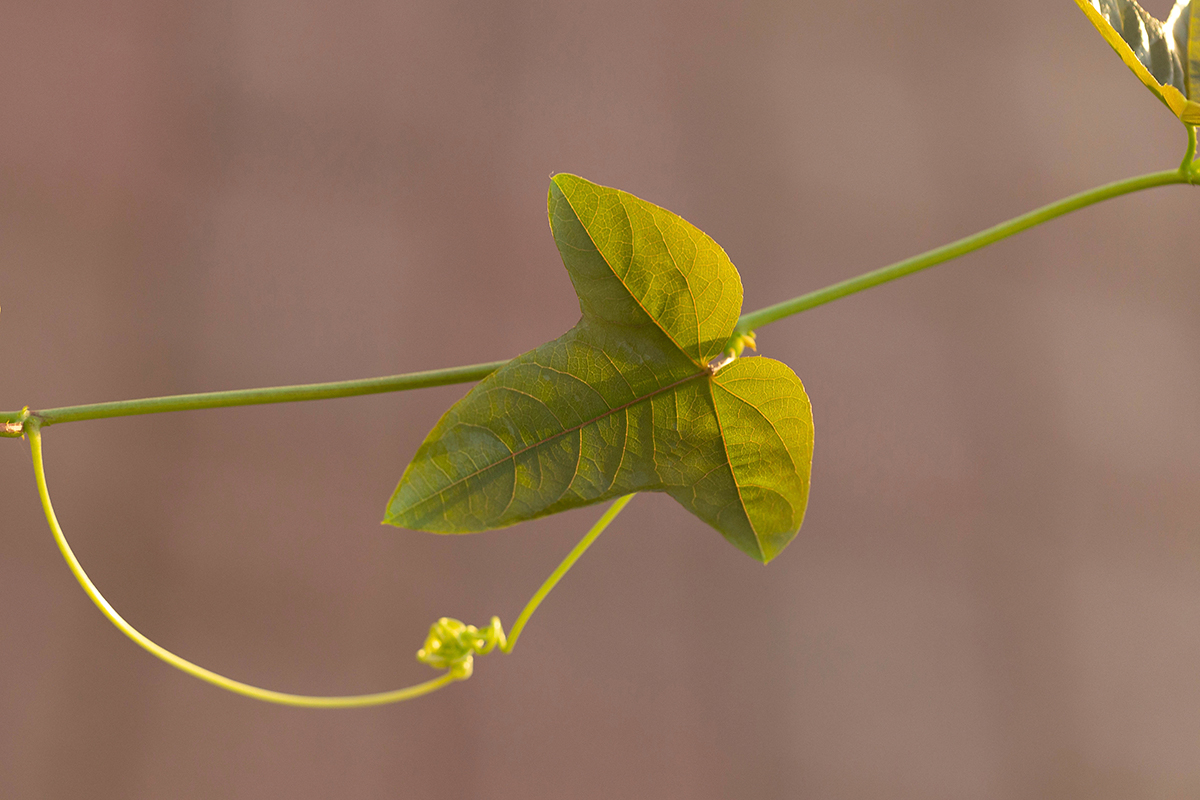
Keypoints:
(625, 401)
(1165, 55)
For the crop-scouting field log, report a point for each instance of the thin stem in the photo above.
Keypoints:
(1188, 167)
(965, 245)
(268, 695)
(558, 573)
(274, 394)
(748, 322)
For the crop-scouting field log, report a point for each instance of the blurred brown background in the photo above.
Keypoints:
(996, 593)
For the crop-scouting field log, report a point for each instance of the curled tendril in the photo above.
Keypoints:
(452, 646)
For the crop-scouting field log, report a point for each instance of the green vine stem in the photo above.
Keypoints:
(963, 246)
(1190, 167)
(250, 397)
(12, 422)
(457, 664)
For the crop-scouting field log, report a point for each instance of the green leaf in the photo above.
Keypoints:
(626, 401)
(1164, 55)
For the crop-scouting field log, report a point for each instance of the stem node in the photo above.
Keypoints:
(1190, 168)
(15, 428)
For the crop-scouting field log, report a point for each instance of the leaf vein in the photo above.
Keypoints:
(513, 455)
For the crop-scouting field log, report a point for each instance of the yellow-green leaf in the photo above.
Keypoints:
(626, 401)
(1164, 55)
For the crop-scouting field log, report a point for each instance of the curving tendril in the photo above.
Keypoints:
(452, 646)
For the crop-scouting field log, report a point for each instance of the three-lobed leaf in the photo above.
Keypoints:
(626, 401)
(1164, 55)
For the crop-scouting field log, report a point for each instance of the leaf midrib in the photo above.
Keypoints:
(514, 453)
(620, 279)
(729, 462)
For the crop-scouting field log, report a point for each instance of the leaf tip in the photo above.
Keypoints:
(565, 181)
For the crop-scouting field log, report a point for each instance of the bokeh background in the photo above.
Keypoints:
(996, 593)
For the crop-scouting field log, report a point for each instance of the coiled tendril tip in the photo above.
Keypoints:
(452, 645)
